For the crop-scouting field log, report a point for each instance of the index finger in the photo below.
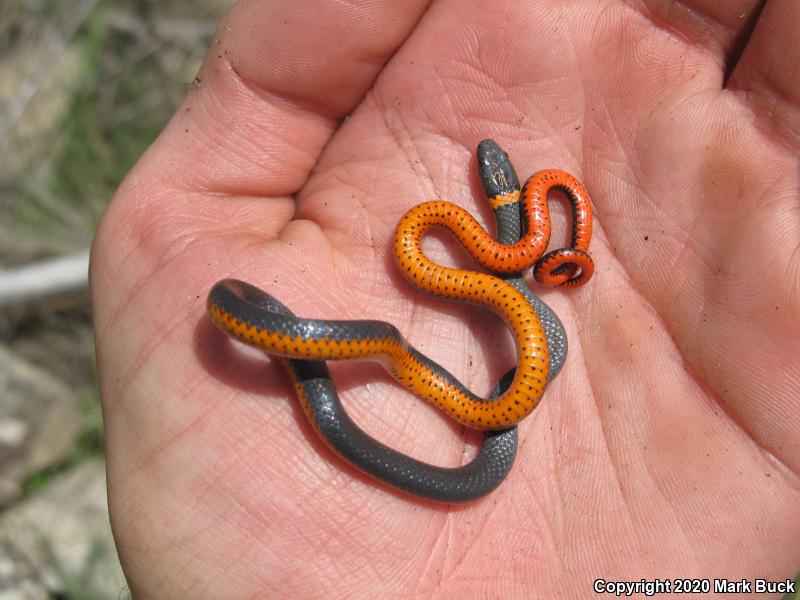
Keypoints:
(278, 79)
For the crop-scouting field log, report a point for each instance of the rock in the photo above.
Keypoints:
(65, 535)
(39, 422)
(18, 577)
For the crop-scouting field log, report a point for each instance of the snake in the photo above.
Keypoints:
(302, 345)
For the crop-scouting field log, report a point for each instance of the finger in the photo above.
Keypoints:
(710, 23)
(768, 73)
(279, 77)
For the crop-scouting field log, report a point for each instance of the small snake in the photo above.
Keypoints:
(254, 317)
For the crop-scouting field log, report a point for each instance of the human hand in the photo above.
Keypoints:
(667, 447)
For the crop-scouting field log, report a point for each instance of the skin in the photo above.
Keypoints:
(668, 445)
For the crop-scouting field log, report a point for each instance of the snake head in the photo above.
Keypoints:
(497, 175)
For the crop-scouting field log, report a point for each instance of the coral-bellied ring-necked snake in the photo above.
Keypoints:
(302, 345)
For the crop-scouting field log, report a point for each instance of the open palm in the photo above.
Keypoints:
(667, 447)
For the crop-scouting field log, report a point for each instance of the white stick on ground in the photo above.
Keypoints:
(41, 281)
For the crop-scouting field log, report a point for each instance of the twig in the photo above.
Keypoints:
(45, 280)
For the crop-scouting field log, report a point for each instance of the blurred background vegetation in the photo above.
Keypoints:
(85, 87)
